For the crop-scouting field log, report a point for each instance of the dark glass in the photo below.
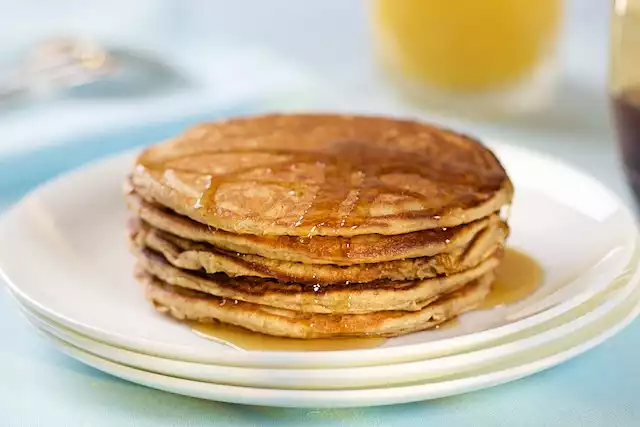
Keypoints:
(626, 109)
(624, 86)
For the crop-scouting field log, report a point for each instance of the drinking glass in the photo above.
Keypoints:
(625, 85)
(489, 57)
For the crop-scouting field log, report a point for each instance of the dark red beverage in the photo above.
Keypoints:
(626, 108)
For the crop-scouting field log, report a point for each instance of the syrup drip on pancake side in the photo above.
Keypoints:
(517, 277)
(353, 180)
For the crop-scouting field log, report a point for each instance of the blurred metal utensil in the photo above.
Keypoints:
(57, 65)
(85, 70)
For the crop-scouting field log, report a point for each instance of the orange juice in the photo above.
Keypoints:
(466, 45)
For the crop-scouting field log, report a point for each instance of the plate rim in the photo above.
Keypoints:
(399, 353)
(606, 305)
(348, 398)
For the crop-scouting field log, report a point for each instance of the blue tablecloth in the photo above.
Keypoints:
(41, 387)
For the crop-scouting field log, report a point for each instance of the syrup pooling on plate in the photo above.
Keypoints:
(244, 339)
(355, 175)
(517, 277)
(452, 323)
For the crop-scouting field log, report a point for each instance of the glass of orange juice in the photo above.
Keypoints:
(471, 56)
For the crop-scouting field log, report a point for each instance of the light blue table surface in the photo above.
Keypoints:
(41, 387)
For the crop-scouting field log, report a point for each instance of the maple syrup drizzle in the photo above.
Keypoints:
(244, 339)
(451, 323)
(518, 276)
(345, 162)
(350, 168)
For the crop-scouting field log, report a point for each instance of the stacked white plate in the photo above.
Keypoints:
(64, 257)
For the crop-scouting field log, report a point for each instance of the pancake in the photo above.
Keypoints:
(185, 304)
(373, 248)
(189, 255)
(323, 175)
(383, 295)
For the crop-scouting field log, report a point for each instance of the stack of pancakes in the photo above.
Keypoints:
(317, 226)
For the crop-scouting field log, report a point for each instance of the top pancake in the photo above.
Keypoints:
(331, 175)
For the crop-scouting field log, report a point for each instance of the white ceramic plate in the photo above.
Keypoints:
(586, 315)
(72, 230)
(508, 370)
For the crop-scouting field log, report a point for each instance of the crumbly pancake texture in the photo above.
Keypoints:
(189, 255)
(186, 304)
(371, 248)
(328, 175)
